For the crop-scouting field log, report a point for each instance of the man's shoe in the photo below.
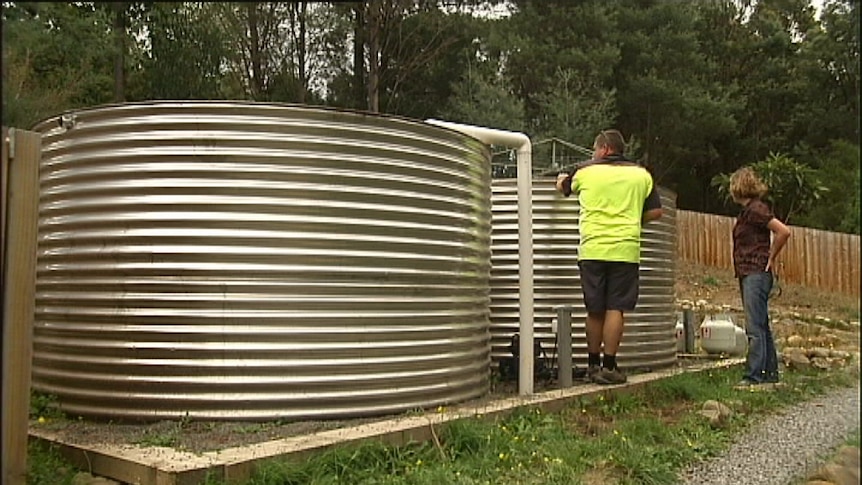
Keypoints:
(609, 377)
(591, 373)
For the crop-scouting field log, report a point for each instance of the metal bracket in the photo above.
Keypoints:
(67, 121)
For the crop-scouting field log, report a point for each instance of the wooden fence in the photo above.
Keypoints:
(815, 258)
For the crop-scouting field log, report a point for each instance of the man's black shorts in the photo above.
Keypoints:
(609, 285)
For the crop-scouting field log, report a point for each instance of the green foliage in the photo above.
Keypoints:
(711, 281)
(167, 436)
(485, 99)
(577, 108)
(45, 465)
(44, 405)
(793, 186)
(838, 208)
(853, 439)
(698, 87)
(56, 56)
(187, 50)
(668, 96)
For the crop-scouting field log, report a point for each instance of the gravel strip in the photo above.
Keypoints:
(784, 446)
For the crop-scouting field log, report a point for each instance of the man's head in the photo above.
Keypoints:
(608, 142)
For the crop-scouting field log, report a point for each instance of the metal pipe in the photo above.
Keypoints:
(564, 345)
(688, 330)
(521, 142)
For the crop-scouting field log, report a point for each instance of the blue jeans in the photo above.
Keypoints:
(762, 365)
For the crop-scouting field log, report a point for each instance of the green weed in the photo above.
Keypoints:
(44, 405)
(853, 439)
(167, 436)
(711, 281)
(45, 466)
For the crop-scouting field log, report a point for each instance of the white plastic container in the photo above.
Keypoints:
(679, 333)
(720, 335)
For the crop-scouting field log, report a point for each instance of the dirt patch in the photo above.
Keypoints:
(824, 319)
(717, 286)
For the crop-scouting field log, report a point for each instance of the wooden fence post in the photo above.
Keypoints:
(20, 214)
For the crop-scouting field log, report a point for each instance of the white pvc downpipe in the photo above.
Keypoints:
(521, 142)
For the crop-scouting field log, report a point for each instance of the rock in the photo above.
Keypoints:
(838, 354)
(848, 456)
(795, 341)
(837, 474)
(795, 358)
(821, 363)
(819, 352)
(716, 412)
(84, 478)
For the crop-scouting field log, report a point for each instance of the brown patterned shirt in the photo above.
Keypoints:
(751, 239)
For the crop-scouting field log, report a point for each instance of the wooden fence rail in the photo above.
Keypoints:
(815, 258)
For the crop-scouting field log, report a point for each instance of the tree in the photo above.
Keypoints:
(668, 97)
(403, 41)
(56, 56)
(561, 52)
(829, 68)
(576, 108)
(838, 208)
(794, 188)
(256, 43)
(484, 98)
(186, 55)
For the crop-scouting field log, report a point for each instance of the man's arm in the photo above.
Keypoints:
(652, 206)
(564, 184)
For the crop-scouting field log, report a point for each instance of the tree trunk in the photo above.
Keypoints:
(359, 87)
(119, 26)
(374, 28)
(256, 83)
(301, 52)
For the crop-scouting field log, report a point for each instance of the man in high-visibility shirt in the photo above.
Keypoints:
(616, 196)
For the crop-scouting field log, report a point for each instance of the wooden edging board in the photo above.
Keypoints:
(167, 466)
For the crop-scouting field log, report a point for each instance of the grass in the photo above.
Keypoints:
(853, 439)
(46, 466)
(711, 281)
(168, 438)
(643, 436)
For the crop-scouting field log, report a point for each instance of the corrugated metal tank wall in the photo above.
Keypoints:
(648, 341)
(255, 261)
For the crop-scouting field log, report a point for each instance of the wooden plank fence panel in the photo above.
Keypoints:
(816, 258)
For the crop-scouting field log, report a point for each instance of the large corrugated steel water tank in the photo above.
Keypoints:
(224, 260)
(648, 340)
